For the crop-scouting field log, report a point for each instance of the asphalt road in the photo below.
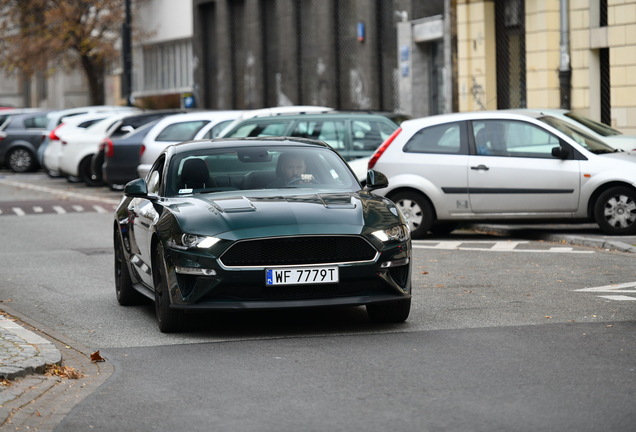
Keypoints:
(505, 334)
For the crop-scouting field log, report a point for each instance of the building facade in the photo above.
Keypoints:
(411, 56)
(578, 54)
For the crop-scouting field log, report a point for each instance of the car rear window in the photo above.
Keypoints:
(183, 131)
(445, 138)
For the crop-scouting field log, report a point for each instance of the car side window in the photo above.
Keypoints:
(38, 122)
(154, 177)
(331, 132)
(215, 130)
(183, 131)
(512, 138)
(447, 138)
(368, 135)
(258, 129)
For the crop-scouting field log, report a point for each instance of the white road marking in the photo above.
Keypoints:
(78, 208)
(38, 209)
(18, 211)
(59, 210)
(491, 246)
(616, 291)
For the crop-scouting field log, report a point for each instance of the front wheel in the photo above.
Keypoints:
(169, 320)
(417, 211)
(615, 211)
(20, 160)
(389, 312)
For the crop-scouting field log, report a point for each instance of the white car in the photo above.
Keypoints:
(56, 118)
(614, 138)
(505, 166)
(68, 125)
(79, 145)
(182, 127)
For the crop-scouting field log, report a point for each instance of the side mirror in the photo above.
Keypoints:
(136, 189)
(560, 152)
(376, 180)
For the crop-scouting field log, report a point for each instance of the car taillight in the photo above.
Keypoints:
(142, 149)
(3, 135)
(53, 135)
(382, 148)
(108, 147)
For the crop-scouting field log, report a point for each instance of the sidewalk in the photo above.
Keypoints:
(22, 352)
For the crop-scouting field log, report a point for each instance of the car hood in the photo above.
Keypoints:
(245, 216)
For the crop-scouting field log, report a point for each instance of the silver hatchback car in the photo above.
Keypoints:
(505, 166)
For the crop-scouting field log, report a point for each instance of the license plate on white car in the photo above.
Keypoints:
(301, 275)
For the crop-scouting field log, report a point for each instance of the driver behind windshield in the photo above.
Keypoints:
(291, 169)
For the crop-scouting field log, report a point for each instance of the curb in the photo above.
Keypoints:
(577, 240)
(23, 352)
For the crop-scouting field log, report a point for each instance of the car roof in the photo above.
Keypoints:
(322, 115)
(189, 146)
(472, 115)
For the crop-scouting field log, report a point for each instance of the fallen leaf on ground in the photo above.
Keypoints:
(63, 372)
(95, 357)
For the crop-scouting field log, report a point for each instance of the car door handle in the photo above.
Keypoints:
(480, 167)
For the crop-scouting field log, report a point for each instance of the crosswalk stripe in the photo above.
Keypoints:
(100, 209)
(18, 211)
(37, 209)
(78, 208)
(59, 209)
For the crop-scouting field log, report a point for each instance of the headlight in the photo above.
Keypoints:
(396, 233)
(192, 241)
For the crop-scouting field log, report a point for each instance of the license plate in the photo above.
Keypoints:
(301, 275)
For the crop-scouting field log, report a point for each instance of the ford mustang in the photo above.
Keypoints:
(255, 223)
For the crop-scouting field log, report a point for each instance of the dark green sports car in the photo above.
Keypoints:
(259, 223)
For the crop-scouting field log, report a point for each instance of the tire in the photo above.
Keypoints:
(126, 294)
(417, 211)
(169, 320)
(390, 312)
(86, 172)
(21, 160)
(615, 211)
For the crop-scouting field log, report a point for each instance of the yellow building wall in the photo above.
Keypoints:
(476, 55)
(621, 35)
(477, 67)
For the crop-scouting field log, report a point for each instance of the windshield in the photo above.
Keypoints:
(600, 128)
(583, 138)
(258, 167)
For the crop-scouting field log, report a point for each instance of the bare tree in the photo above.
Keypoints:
(49, 35)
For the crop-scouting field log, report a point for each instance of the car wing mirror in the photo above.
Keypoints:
(560, 152)
(136, 189)
(376, 180)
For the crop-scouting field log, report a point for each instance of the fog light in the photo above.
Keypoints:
(195, 271)
(396, 263)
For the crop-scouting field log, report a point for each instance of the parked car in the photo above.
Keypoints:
(20, 137)
(121, 128)
(614, 138)
(182, 127)
(56, 118)
(354, 135)
(68, 125)
(8, 112)
(505, 166)
(272, 111)
(217, 224)
(120, 157)
(79, 147)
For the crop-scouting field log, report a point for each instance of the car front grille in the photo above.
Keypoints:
(303, 250)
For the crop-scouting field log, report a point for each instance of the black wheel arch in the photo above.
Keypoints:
(599, 190)
(399, 190)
